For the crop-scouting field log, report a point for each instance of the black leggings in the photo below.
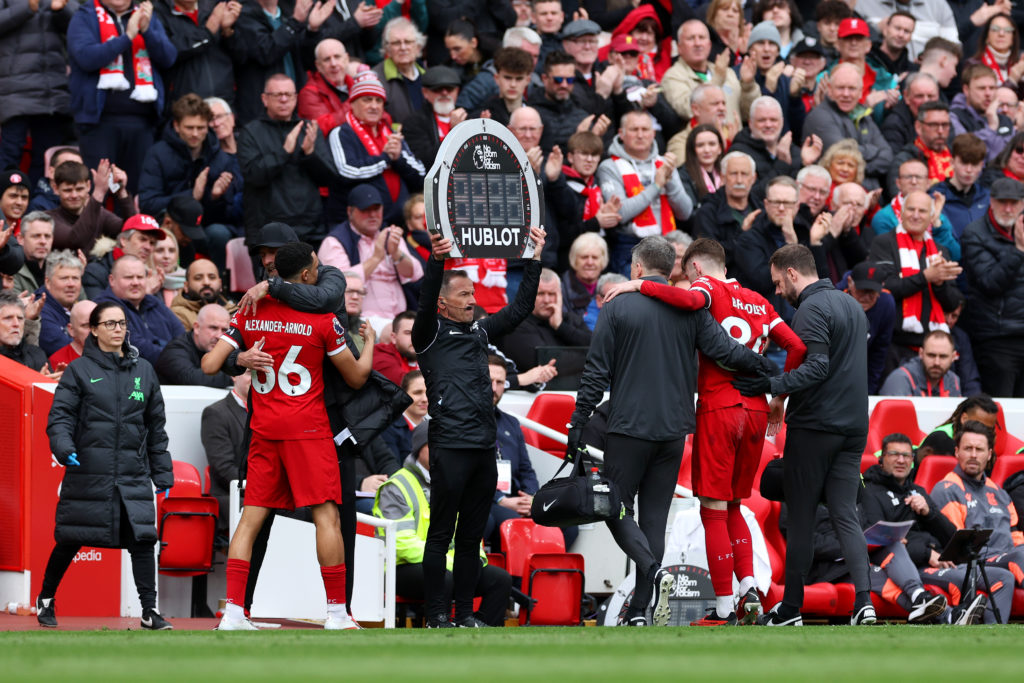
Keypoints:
(493, 586)
(143, 565)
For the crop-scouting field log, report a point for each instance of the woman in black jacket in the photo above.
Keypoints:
(106, 427)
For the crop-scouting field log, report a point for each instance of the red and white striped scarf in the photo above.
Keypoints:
(112, 75)
(374, 147)
(910, 264)
(645, 224)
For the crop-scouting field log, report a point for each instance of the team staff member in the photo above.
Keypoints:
(452, 352)
(106, 427)
(641, 346)
(292, 459)
(730, 427)
(828, 427)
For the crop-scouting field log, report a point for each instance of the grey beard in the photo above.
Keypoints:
(443, 107)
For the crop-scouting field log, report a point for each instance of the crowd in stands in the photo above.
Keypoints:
(139, 139)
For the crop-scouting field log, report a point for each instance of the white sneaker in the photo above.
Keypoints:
(341, 622)
(239, 625)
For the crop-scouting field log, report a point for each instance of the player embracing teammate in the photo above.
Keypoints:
(731, 427)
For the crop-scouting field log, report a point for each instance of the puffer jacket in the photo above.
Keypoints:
(33, 66)
(204, 63)
(108, 409)
(995, 283)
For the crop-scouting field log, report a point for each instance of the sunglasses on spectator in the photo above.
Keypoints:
(1019, 149)
(280, 95)
(564, 79)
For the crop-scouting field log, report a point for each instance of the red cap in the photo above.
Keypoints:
(142, 222)
(853, 27)
(624, 43)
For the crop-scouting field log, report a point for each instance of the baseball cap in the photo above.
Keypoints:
(437, 76)
(143, 223)
(853, 27)
(275, 235)
(579, 28)
(808, 45)
(367, 84)
(1007, 188)
(363, 196)
(419, 437)
(188, 214)
(12, 177)
(624, 43)
(867, 276)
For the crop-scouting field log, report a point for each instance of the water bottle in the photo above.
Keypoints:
(21, 609)
(602, 500)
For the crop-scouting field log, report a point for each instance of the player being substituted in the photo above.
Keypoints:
(292, 459)
(730, 427)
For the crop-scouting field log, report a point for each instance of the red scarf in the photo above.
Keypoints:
(381, 4)
(588, 188)
(373, 146)
(1009, 174)
(645, 66)
(897, 206)
(193, 15)
(989, 60)
(645, 224)
(443, 127)
(910, 264)
(112, 75)
(998, 228)
(940, 164)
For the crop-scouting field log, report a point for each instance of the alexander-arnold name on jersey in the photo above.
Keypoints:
(257, 325)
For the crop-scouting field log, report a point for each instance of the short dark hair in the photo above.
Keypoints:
(557, 58)
(449, 275)
(463, 27)
(61, 151)
(943, 45)
(832, 10)
(191, 105)
(975, 427)
(704, 247)
(409, 377)
(941, 334)
(969, 148)
(94, 317)
(513, 60)
(895, 437)
(904, 13)
(291, 258)
(656, 254)
(931, 106)
(404, 315)
(70, 173)
(497, 361)
(795, 256)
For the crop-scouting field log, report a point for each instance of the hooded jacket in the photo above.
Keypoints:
(109, 410)
(169, 170)
(883, 500)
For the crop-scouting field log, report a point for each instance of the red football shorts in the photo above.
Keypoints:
(292, 474)
(726, 452)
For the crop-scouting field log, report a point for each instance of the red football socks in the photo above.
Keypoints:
(742, 546)
(237, 575)
(334, 583)
(719, 550)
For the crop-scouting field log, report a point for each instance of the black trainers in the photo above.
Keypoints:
(45, 614)
(638, 620)
(440, 621)
(152, 621)
(471, 622)
(927, 607)
(864, 616)
(971, 613)
(663, 584)
(749, 607)
(773, 618)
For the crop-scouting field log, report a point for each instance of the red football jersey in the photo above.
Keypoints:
(749, 319)
(288, 403)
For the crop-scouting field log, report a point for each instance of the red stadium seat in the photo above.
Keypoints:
(932, 469)
(187, 525)
(1005, 442)
(867, 460)
(240, 265)
(555, 581)
(522, 537)
(187, 481)
(1007, 465)
(780, 439)
(892, 415)
(207, 483)
(554, 411)
(496, 560)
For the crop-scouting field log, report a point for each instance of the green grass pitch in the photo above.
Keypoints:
(818, 653)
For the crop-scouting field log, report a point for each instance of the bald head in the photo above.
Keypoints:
(210, 324)
(526, 125)
(78, 327)
(331, 60)
(845, 87)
